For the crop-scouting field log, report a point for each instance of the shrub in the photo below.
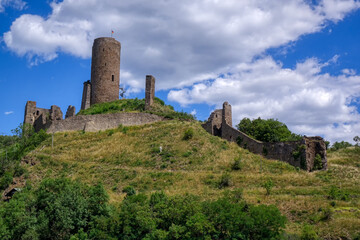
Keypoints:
(336, 193)
(308, 233)
(268, 185)
(340, 145)
(129, 190)
(239, 140)
(237, 164)
(188, 134)
(110, 132)
(317, 162)
(225, 180)
(6, 180)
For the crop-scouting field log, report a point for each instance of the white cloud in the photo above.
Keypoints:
(193, 112)
(8, 113)
(308, 101)
(187, 44)
(179, 42)
(17, 4)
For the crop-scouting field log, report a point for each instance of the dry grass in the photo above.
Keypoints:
(131, 156)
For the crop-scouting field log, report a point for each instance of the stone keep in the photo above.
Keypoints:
(105, 70)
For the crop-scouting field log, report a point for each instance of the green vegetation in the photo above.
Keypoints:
(268, 185)
(136, 105)
(63, 209)
(188, 134)
(340, 145)
(269, 130)
(14, 148)
(135, 163)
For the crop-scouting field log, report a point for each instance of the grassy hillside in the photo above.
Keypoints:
(180, 157)
(136, 105)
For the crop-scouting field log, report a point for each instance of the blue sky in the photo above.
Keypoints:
(297, 61)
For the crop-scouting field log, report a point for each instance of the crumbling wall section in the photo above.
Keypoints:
(70, 112)
(308, 153)
(85, 102)
(41, 118)
(315, 152)
(213, 124)
(149, 91)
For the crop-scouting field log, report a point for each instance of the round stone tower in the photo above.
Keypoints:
(105, 70)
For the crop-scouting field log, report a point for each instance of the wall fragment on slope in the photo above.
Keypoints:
(302, 154)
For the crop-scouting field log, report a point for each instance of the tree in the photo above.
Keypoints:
(270, 130)
(357, 140)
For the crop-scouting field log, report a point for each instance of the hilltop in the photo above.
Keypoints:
(180, 157)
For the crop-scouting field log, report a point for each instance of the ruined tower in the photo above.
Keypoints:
(226, 114)
(85, 103)
(149, 91)
(105, 70)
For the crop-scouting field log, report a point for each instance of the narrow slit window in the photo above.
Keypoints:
(112, 77)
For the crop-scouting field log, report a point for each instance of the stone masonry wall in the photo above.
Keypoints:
(149, 91)
(41, 118)
(85, 102)
(105, 70)
(300, 154)
(213, 125)
(94, 123)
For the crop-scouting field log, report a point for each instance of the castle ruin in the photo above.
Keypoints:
(103, 87)
(302, 154)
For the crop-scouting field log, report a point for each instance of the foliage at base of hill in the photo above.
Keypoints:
(63, 209)
(167, 156)
(22, 142)
(269, 130)
(136, 105)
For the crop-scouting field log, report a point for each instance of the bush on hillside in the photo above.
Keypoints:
(270, 130)
(188, 134)
(340, 145)
(64, 209)
(14, 148)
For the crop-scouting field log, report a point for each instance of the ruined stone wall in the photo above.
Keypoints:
(94, 123)
(41, 118)
(213, 124)
(300, 154)
(85, 102)
(315, 146)
(149, 91)
(70, 112)
(227, 114)
(105, 70)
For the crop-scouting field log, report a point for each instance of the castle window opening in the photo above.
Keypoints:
(37, 112)
(105, 64)
(112, 77)
(103, 49)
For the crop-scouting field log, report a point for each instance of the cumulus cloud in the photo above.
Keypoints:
(188, 44)
(179, 42)
(17, 4)
(8, 113)
(308, 101)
